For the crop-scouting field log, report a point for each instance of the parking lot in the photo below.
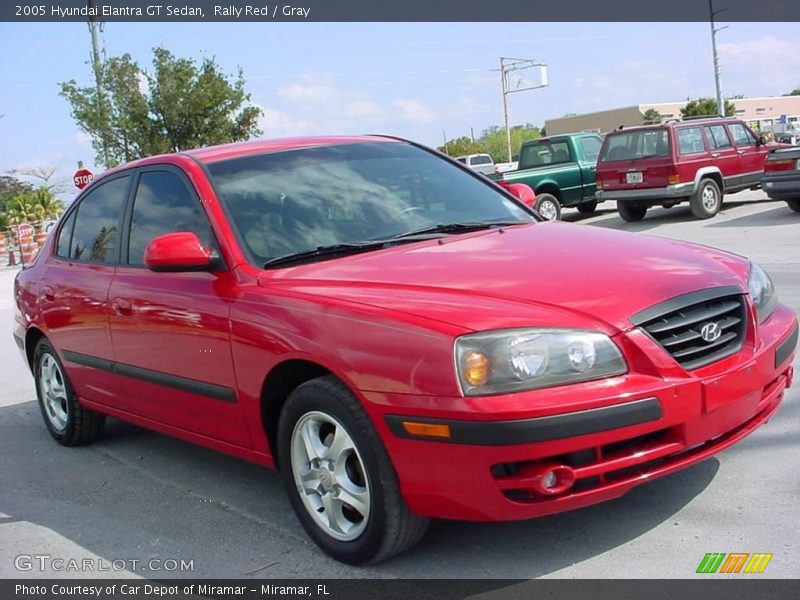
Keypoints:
(137, 495)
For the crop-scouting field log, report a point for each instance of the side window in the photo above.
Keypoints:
(718, 137)
(96, 230)
(65, 236)
(741, 135)
(164, 204)
(690, 140)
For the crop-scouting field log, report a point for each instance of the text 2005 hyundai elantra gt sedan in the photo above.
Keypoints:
(402, 338)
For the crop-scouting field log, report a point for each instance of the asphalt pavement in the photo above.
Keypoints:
(136, 496)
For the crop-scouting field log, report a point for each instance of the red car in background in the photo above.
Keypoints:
(696, 161)
(364, 314)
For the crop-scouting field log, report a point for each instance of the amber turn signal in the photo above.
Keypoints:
(427, 429)
(476, 368)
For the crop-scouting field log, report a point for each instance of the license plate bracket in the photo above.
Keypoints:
(634, 177)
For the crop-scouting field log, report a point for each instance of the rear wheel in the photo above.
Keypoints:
(548, 206)
(587, 208)
(707, 200)
(794, 204)
(69, 423)
(631, 212)
(339, 478)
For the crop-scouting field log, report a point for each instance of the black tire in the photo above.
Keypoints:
(81, 425)
(548, 206)
(707, 201)
(587, 208)
(390, 526)
(794, 204)
(631, 212)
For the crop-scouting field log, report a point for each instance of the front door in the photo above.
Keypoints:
(171, 331)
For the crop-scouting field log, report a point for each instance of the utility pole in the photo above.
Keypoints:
(714, 30)
(97, 67)
(507, 65)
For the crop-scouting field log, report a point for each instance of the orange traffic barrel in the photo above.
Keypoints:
(41, 238)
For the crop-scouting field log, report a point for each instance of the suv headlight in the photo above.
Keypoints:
(762, 291)
(511, 360)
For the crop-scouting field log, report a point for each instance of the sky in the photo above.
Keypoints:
(416, 80)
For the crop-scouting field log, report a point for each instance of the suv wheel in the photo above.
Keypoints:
(794, 204)
(587, 208)
(707, 201)
(339, 478)
(631, 212)
(67, 421)
(548, 206)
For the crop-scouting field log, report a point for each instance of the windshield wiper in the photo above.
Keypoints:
(458, 228)
(325, 251)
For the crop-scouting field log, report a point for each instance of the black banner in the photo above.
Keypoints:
(393, 589)
(398, 10)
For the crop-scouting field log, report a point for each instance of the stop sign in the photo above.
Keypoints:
(82, 178)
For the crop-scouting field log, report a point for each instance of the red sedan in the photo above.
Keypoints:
(399, 336)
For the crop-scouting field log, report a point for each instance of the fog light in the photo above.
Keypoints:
(552, 478)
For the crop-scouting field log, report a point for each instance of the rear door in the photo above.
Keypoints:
(724, 155)
(751, 154)
(77, 279)
(171, 331)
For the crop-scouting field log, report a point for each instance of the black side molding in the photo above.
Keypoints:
(210, 390)
(19, 342)
(678, 302)
(785, 350)
(541, 429)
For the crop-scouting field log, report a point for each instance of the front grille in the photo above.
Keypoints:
(680, 329)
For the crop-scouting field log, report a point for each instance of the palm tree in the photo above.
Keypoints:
(36, 206)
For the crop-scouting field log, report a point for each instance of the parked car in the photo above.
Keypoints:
(365, 315)
(781, 180)
(696, 161)
(561, 171)
(482, 163)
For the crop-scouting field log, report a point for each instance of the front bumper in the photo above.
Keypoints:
(670, 192)
(486, 470)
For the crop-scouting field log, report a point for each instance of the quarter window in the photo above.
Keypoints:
(65, 236)
(718, 137)
(164, 204)
(96, 229)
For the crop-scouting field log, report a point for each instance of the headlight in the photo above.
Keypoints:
(762, 291)
(524, 359)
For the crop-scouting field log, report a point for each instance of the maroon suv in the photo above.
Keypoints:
(697, 160)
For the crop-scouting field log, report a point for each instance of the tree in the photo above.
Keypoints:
(494, 141)
(461, 147)
(33, 206)
(45, 175)
(794, 92)
(10, 187)
(177, 106)
(652, 117)
(706, 107)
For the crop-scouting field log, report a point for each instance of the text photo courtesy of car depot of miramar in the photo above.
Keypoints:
(324, 354)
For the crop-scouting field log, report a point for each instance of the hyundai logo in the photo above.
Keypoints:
(711, 332)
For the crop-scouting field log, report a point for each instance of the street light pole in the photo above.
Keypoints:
(516, 64)
(714, 30)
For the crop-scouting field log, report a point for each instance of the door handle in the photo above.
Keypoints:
(715, 155)
(740, 152)
(122, 307)
(49, 293)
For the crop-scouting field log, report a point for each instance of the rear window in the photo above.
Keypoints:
(482, 159)
(690, 140)
(632, 145)
(591, 147)
(544, 153)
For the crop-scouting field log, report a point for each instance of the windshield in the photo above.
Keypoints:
(300, 200)
(642, 143)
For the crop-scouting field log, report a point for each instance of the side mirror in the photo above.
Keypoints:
(524, 193)
(176, 252)
(762, 140)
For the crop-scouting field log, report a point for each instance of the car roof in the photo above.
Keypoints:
(674, 124)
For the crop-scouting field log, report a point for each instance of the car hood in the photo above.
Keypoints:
(543, 274)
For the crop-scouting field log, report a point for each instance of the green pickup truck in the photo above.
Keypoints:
(561, 170)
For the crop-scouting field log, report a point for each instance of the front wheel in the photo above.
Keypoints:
(794, 204)
(69, 423)
(587, 208)
(707, 201)
(548, 206)
(339, 478)
(631, 212)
